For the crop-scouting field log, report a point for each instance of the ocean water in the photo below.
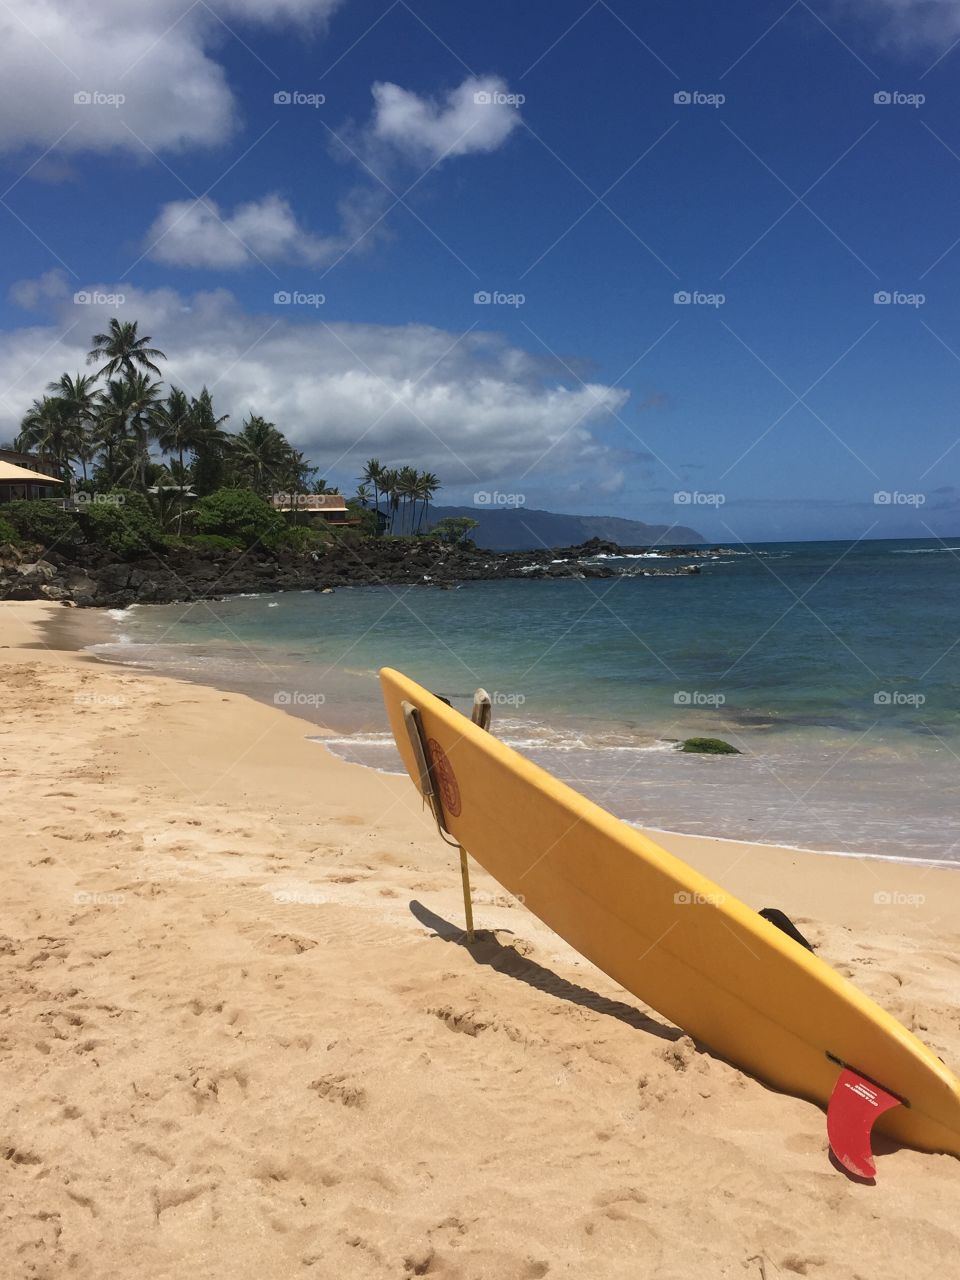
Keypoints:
(833, 667)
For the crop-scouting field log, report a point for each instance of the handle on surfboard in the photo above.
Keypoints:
(855, 1106)
(425, 783)
(430, 793)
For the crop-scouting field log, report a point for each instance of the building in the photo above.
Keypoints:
(320, 508)
(183, 491)
(24, 476)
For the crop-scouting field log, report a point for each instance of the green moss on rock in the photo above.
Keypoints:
(709, 747)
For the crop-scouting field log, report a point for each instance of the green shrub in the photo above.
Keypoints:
(300, 538)
(212, 542)
(7, 532)
(346, 535)
(455, 529)
(369, 524)
(122, 523)
(43, 522)
(239, 513)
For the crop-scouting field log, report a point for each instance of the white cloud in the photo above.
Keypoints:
(911, 24)
(476, 116)
(472, 410)
(192, 233)
(154, 54)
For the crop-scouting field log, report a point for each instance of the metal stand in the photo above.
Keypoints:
(467, 900)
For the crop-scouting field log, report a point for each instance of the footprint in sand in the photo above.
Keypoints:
(805, 1144)
(797, 1265)
(336, 1089)
(18, 1155)
(466, 1023)
(288, 944)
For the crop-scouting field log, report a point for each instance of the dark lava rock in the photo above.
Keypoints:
(88, 576)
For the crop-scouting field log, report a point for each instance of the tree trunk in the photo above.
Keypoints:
(180, 481)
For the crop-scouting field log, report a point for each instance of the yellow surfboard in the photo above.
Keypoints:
(677, 941)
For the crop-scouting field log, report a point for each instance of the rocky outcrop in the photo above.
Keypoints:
(89, 577)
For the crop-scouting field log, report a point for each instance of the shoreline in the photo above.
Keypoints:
(72, 630)
(357, 736)
(245, 1025)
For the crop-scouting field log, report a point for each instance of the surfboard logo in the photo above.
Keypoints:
(444, 778)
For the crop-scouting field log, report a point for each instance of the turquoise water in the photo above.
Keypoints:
(833, 667)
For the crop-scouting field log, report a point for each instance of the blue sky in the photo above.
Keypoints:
(533, 152)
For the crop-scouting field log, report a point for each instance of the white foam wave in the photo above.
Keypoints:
(922, 551)
(772, 843)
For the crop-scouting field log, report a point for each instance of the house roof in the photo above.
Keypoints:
(309, 502)
(20, 475)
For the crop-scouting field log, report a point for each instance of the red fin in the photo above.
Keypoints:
(855, 1105)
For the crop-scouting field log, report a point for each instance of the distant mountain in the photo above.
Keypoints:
(523, 529)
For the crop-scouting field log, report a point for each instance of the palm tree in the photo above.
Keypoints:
(363, 494)
(389, 480)
(427, 486)
(145, 420)
(407, 489)
(295, 473)
(209, 445)
(79, 397)
(86, 451)
(373, 474)
(261, 454)
(123, 352)
(115, 404)
(175, 433)
(47, 427)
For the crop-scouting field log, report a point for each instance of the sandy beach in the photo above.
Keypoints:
(243, 1035)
